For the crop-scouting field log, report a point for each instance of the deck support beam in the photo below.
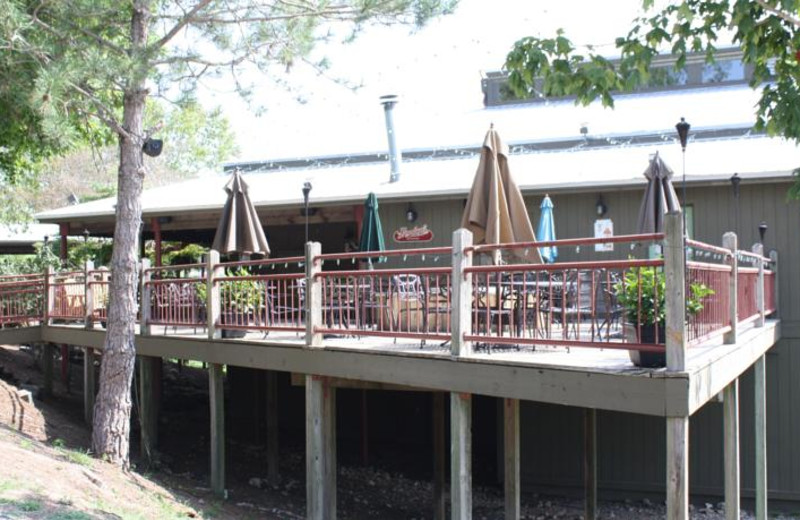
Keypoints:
(461, 456)
(148, 414)
(88, 385)
(678, 468)
(760, 419)
(320, 449)
(511, 458)
(216, 398)
(590, 463)
(439, 457)
(730, 413)
(47, 368)
(273, 455)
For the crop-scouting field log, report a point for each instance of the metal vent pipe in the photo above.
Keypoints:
(395, 156)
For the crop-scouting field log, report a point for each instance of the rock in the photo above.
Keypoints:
(255, 482)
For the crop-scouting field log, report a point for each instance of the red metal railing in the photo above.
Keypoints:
(21, 299)
(605, 304)
(747, 290)
(176, 295)
(253, 296)
(67, 295)
(708, 313)
(770, 305)
(99, 289)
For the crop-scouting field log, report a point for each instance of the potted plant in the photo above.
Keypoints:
(242, 298)
(641, 293)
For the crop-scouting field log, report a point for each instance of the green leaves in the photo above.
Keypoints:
(769, 40)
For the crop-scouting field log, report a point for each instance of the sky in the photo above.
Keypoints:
(436, 71)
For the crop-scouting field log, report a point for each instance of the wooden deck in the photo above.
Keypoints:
(587, 377)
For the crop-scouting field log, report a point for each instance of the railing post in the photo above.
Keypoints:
(88, 295)
(213, 310)
(144, 326)
(730, 241)
(313, 301)
(49, 294)
(675, 297)
(462, 293)
(773, 257)
(760, 296)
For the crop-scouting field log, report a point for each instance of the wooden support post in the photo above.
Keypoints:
(313, 295)
(460, 456)
(760, 420)
(156, 225)
(47, 368)
(730, 242)
(273, 455)
(760, 293)
(146, 297)
(49, 295)
(461, 319)
(216, 395)
(677, 468)
(730, 412)
(65, 376)
(320, 449)
(148, 416)
(773, 256)
(674, 277)
(511, 457)
(88, 295)
(439, 472)
(88, 385)
(212, 296)
(590, 463)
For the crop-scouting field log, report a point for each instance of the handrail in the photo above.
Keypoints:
(708, 247)
(444, 250)
(643, 237)
(563, 266)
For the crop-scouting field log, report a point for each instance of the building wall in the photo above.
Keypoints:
(631, 447)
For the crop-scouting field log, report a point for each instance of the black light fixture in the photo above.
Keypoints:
(735, 181)
(762, 230)
(683, 134)
(600, 206)
(411, 213)
(306, 191)
(152, 147)
(86, 236)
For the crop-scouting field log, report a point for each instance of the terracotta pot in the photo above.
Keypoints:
(648, 335)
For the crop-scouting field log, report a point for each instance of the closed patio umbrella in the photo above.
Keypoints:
(371, 230)
(546, 231)
(239, 229)
(659, 197)
(495, 212)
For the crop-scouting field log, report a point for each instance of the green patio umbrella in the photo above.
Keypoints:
(371, 229)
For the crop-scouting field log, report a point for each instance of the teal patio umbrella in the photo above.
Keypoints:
(371, 230)
(546, 232)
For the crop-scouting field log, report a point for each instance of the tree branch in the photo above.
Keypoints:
(779, 13)
(188, 18)
(104, 113)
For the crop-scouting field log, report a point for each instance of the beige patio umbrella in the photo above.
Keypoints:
(659, 197)
(495, 212)
(239, 229)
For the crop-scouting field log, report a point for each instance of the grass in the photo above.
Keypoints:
(80, 457)
(29, 506)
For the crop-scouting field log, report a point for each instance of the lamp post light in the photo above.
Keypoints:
(735, 180)
(683, 133)
(306, 191)
(762, 230)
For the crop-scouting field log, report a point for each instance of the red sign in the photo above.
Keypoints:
(415, 234)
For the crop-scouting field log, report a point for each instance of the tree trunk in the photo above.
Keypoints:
(112, 413)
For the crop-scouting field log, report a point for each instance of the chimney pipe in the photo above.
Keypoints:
(395, 156)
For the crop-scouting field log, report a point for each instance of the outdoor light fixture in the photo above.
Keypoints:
(762, 230)
(306, 191)
(86, 235)
(683, 134)
(735, 180)
(152, 147)
(411, 213)
(600, 206)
